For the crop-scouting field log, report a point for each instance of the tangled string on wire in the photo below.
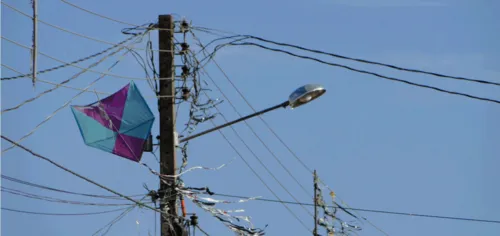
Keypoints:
(189, 88)
(330, 220)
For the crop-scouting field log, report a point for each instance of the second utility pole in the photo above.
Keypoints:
(166, 107)
(315, 232)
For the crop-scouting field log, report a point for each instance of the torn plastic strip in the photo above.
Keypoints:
(197, 168)
(219, 214)
(211, 200)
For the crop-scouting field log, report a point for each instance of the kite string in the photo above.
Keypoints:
(68, 102)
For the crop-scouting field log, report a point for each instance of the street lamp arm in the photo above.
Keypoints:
(283, 105)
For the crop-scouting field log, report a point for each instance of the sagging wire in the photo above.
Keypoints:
(58, 200)
(61, 214)
(233, 222)
(31, 184)
(201, 45)
(140, 60)
(237, 43)
(189, 91)
(109, 225)
(330, 220)
(239, 38)
(334, 55)
(149, 62)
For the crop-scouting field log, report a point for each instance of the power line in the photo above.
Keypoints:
(369, 210)
(264, 121)
(63, 82)
(57, 200)
(260, 161)
(247, 124)
(61, 214)
(201, 230)
(114, 221)
(109, 18)
(73, 62)
(258, 137)
(19, 181)
(207, 30)
(99, 15)
(69, 87)
(366, 72)
(374, 63)
(75, 33)
(255, 172)
(78, 175)
(79, 67)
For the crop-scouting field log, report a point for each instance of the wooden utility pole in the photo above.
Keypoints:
(315, 232)
(166, 106)
(34, 50)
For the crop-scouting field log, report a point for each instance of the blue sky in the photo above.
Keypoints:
(378, 144)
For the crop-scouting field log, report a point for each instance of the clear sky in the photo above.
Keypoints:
(379, 144)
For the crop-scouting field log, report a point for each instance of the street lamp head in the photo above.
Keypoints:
(305, 94)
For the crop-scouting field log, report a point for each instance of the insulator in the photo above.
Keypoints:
(184, 26)
(194, 220)
(185, 48)
(185, 70)
(154, 195)
(185, 93)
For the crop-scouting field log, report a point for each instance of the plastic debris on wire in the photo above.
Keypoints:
(165, 177)
(118, 124)
(191, 87)
(331, 220)
(227, 217)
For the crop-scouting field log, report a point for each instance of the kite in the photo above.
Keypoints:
(118, 124)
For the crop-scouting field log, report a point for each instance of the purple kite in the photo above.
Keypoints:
(119, 124)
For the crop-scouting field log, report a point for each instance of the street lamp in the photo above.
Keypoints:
(299, 97)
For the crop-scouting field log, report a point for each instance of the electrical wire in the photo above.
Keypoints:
(70, 87)
(79, 176)
(368, 72)
(65, 104)
(62, 83)
(201, 230)
(277, 136)
(73, 62)
(256, 174)
(106, 17)
(252, 129)
(99, 15)
(265, 145)
(57, 200)
(363, 60)
(260, 161)
(19, 181)
(82, 68)
(72, 32)
(61, 214)
(109, 225)
(368, 210)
